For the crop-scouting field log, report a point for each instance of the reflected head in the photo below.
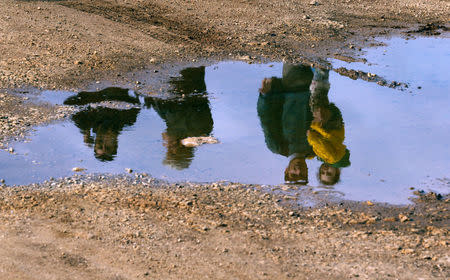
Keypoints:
(297, 171)
(329, 175)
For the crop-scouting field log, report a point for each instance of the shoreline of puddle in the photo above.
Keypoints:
(268, 71)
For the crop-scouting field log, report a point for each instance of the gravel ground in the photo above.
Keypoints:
(69, 43)
(102, 227)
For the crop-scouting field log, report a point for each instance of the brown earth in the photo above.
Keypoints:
(67, 43)
(115, 228)
(125, 228)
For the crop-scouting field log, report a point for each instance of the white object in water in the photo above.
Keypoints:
(197, 141)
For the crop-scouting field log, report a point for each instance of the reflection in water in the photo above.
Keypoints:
(283, 109)
(189, 116)
(327, 133)
(108, 94)
(299, 122)
(105, 123)
(296, 116)
(381, 170)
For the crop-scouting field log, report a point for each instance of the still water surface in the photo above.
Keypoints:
(275, 123)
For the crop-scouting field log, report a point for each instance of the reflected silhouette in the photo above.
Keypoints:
(108, 94)
(299, 122)
(186, 115)
(285, 116)
(102, 126)
(327, 132)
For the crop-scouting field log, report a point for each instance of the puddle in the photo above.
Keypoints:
(366, 142)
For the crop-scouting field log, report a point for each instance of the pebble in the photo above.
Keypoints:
(403, 218)
(197, 141)
(78, 169)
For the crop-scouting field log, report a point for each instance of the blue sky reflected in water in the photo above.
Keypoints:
(396, 139)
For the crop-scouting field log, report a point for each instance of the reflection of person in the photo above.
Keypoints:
(105, 123)
(108, 94)
(326, 135)
(283, 109)
(189, 116)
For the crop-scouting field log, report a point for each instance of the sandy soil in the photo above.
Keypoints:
(70, 42)
(138, 228)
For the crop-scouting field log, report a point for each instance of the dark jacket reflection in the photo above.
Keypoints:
(186, 115)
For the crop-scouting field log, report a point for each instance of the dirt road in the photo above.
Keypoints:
(66, 43)
(125, 228)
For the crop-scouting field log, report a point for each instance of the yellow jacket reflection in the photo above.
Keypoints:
(327, 145)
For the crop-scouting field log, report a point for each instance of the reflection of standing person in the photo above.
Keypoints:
(105, 123)
(189, 116)
(283, 109)
(327, 133)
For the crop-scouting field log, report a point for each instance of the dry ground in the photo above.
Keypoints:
(70, 42)
(122, 228)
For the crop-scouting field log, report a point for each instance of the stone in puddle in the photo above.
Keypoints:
(197, 141)
(78, 169)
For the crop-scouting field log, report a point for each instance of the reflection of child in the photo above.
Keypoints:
(326, 134)
(106, 124)
(327, 140)
(186, 117)
(283, 109)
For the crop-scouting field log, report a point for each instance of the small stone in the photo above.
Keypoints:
(2, 181)
(314, 3)
(77, 62)
(389, 219)
(407, 251)
(128, 170)
(197, 141)
(78, 169)
(370, 203)
(403, 218)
